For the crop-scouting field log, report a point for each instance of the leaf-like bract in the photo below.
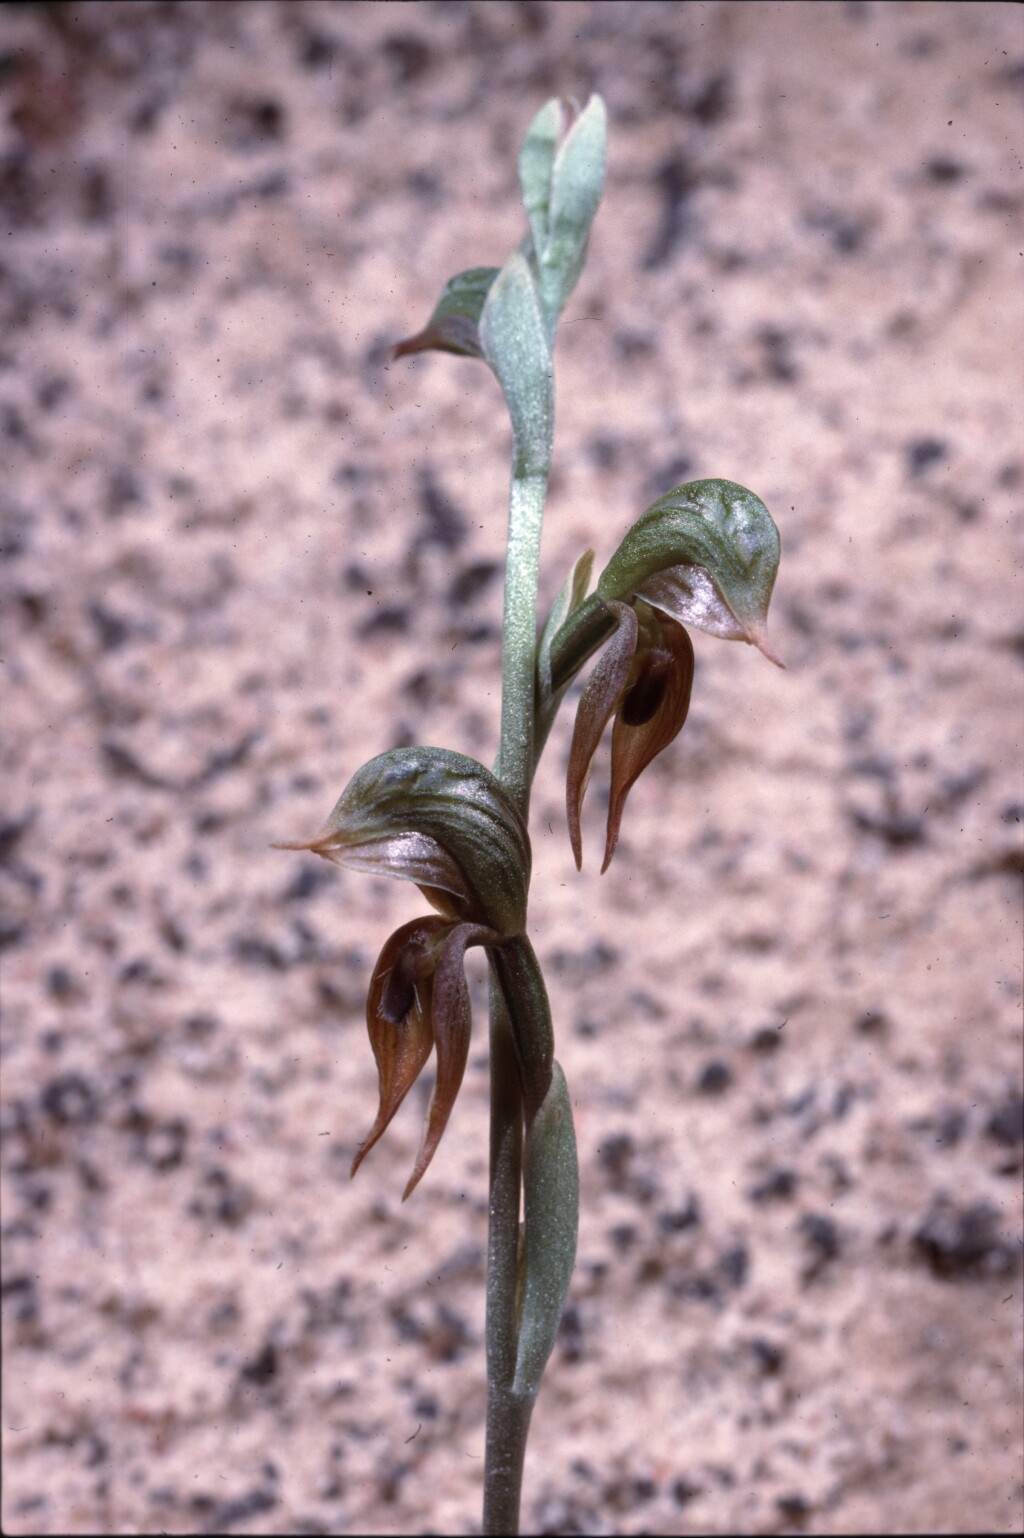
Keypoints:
(550, 1224)
(454, 325)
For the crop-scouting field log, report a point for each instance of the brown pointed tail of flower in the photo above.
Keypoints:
(652, 712)
(598, 702)
(399, 1018)
(452, 1023)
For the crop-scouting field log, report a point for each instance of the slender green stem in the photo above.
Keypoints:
(506, 1427)
(521, 1065)
(519, 636)
(561, 186)
(508, 1413)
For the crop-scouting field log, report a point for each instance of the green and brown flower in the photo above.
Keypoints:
(443, 821)
(705, 555)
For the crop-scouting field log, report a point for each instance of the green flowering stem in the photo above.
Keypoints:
(514, 343)
(561, 186)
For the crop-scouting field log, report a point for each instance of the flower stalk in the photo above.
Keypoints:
(705, 556)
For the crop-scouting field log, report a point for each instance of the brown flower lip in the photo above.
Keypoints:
(418, 1001)
(643, 680)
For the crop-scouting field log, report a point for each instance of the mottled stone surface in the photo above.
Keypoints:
(241, 553)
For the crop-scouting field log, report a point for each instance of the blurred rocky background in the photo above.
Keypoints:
(242, 553)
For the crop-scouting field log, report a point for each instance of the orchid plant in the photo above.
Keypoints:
(704, 555)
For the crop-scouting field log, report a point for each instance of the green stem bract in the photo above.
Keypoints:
(587, 628)
(551, 1184)
(515, 344)
(525, 998)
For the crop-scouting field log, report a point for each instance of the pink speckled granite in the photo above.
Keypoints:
(242, 553)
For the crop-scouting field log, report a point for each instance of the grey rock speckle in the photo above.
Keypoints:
(242, 551)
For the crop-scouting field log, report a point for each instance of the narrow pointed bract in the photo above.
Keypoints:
(454, 324)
